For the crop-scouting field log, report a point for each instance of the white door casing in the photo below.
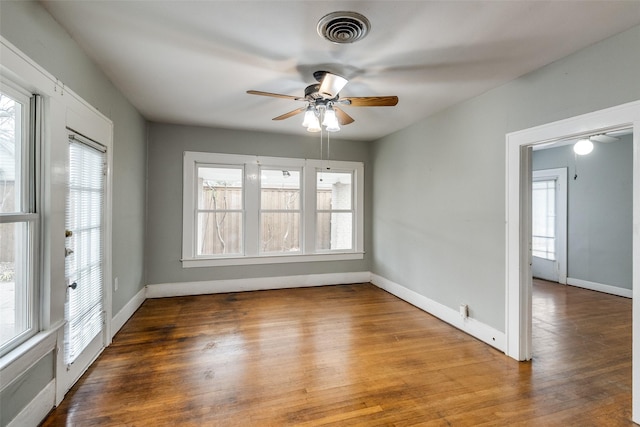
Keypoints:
(518, 318)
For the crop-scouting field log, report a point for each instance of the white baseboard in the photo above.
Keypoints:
(127, 311)
(162, 290)
(608, 289)
(471, 326)
(37, 409)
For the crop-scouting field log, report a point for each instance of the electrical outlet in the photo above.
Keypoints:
(464, 311)
(115, 284)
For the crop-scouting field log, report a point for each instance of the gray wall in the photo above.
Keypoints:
(29, 27)
(599, 231)
(445, 236)
(164, 243)
(32, 30)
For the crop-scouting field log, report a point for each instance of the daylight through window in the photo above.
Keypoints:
(18, 221)
(254, 210)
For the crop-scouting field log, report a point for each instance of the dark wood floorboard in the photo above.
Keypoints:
(354, 355)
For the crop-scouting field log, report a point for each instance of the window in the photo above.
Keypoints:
(543, 201)
(334, 207)
(220, 213)
(18, 220)
(279, 210)
(257, 210)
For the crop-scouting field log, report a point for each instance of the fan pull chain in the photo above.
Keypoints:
(321, 159)
(328, 148)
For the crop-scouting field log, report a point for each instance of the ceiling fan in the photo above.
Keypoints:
(323, 103)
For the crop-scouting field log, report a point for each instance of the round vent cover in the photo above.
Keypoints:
(343, 27)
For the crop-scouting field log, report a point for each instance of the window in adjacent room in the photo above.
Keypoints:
(543, 197)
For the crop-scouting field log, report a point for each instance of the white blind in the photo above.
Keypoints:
(83, 263)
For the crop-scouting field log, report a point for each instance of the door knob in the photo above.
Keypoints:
(68, 233)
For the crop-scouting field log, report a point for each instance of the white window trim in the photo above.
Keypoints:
(28, 193)
(252, 254)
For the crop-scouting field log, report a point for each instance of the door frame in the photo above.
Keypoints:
(93, 125)
(518, 318)
(560, 176)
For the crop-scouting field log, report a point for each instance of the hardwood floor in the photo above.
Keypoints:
(353, 355)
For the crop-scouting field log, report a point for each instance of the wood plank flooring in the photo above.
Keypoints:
(353, 355)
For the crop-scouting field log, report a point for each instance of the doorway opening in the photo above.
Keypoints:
(518, 315)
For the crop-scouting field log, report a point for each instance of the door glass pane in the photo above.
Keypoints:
(84, 245)
(543, 198)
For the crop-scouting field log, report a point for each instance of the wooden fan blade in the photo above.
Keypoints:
(372, 101)
(343, 118)
(290, 114)
(275, 95)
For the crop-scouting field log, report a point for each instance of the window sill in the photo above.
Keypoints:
(17, 361)
(273, 259)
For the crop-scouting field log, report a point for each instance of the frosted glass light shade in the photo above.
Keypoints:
(582, 147)
(309, 116)
(330, 120)
(314, 125)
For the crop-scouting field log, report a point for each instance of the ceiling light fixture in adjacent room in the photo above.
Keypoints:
(583, 147)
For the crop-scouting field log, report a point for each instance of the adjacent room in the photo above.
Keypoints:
(319, 213)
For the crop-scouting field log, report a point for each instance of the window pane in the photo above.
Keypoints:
(10, 154)
(219, 188)
(334, 231)
(15, 295)
(334, 190)
(280, 232)
(219, 233)
(280, 189)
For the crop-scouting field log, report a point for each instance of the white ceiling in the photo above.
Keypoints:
(191, 62)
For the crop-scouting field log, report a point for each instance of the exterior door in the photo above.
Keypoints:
(84, 257)
(549, 225)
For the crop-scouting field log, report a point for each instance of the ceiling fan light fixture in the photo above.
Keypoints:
(309, 116)
(583, 147)
(330, 120)
(331, 85)
(314, 125)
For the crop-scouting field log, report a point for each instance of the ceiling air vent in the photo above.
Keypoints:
(343, 27)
